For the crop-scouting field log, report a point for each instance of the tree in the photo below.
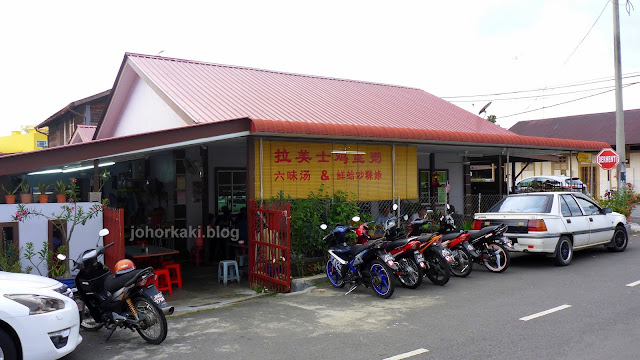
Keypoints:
(491, 118)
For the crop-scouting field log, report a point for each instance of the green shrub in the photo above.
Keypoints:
(622, 202)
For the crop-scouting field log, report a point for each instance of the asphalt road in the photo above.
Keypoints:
(472, 318)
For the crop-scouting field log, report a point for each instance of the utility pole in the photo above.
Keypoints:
(620, 145)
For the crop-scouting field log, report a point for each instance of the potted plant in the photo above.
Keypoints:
(10, 196)
(61, 191)
(25, 192)
(43, 198)
(96, 196)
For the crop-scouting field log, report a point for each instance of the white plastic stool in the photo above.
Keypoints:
(228, 270)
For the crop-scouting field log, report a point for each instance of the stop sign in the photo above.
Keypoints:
(608, 159)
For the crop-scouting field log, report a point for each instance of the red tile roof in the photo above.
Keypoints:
(209, 93)
(406, 135)
(593, 127)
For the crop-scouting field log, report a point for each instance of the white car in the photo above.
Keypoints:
(37, 320)
(556, 223)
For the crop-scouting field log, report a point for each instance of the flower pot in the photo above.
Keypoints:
(95, 196)
(61, 198)
(43, 198)
(26, 198)
(10, 199)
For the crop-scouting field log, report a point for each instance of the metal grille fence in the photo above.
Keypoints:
(270, 245)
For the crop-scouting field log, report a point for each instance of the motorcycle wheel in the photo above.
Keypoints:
(437, 269)
(381, 279)
(499, 258)
(156, 323)
(463, 258)
(87, 322)
(411, 276)
(334, 276)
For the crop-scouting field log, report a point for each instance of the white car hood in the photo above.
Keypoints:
(13, 280)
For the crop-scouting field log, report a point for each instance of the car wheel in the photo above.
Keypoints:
(564, 251)
(619, 240)
(7, 347)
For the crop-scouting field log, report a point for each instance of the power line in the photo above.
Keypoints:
(587, 34)
(532, 96)
(566, 102)
(586, 82)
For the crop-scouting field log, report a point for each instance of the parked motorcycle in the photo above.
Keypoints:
(366, 264)
(410, 261)
(486, 246)
(127, 299)
(461, 264)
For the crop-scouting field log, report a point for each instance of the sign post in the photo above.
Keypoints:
(608, 159)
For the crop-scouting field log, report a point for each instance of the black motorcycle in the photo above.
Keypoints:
(486, 246)
(129, 300)
(365, 264)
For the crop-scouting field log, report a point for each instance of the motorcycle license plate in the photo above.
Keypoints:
(156, 296)
(419, 257)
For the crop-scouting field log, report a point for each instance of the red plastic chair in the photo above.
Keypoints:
(163, 280)
(175, 274)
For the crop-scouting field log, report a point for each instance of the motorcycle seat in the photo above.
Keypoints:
(450, 236)
(424, 237)
(484, 231)
(116, 282)
(395, 244)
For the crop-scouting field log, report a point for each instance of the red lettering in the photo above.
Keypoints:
(376, 157)
(282, 156)
(350, 175)
(358, 158)
(340, 175)
(303, 156)
(359, 175)
(279, 175)
(341, 157)
(368, 174)
(324, 176)
(292, 175)
(305, 175)
(323, 157)
(377, 175)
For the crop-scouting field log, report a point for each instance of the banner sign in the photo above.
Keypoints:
(298, 168)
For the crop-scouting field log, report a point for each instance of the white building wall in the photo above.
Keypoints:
(145, 111)
(36, 230)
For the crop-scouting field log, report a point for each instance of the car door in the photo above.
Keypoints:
(600, 225)
(574, 220)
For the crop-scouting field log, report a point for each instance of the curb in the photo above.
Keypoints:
(186, 310)
(302, 284)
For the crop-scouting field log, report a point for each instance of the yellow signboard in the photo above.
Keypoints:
(584, 157)
(298, 168)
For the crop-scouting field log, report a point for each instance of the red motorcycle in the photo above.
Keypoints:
(461, 263)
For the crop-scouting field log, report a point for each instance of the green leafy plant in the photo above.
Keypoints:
(104, 177)
(43, 187)
(622, 202)
(30, 254)
(24, 186)
(55, 266)
(10, 258)
(60, 188)
(8, 192)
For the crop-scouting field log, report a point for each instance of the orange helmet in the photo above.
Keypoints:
(124, 266)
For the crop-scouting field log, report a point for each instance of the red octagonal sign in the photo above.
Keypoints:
(608, 159)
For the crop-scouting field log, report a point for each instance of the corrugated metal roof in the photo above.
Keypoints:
(407, 134)
(593, 127)
(209, 93)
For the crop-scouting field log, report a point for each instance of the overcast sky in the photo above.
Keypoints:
(56, 52)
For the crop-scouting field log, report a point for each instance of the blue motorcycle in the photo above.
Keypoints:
(364, 264)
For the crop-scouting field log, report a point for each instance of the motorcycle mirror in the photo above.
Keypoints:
(323, 226)
(61, 257)
(430, 212)
(405, 217)
(103, 232)
(395, 207)
(356, 218)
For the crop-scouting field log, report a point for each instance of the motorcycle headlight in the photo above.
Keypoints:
(37, 304)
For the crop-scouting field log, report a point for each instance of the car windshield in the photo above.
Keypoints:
(524, 204)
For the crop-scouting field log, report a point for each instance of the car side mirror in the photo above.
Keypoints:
(607, 211)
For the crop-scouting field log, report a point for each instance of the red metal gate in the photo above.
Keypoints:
(113, 219)
(270, 245)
